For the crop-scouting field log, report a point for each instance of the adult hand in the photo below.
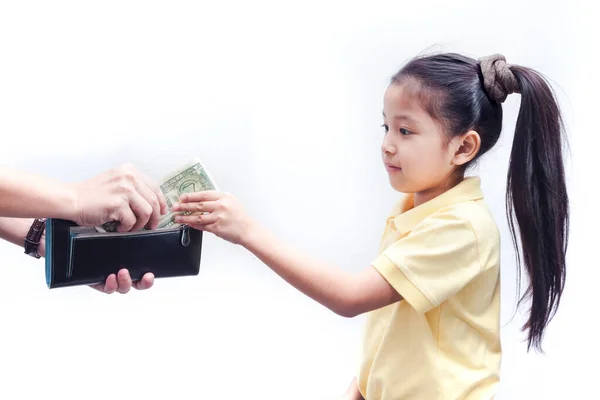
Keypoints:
(121, 283)
(123, 194)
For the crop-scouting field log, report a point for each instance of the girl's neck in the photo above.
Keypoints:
(433, 192)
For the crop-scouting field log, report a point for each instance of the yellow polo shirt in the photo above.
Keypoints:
(442, 341)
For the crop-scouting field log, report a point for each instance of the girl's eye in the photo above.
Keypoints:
(405, 132)
(385, 127)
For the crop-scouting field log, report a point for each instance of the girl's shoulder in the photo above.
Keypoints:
(473, 213)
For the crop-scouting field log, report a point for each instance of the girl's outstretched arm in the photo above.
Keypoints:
(345, 293)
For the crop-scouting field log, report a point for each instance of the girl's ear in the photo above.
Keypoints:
(467, 146)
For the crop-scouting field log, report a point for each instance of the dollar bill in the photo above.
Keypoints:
(191, 177)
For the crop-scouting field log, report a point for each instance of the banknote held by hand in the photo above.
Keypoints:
(77, 255)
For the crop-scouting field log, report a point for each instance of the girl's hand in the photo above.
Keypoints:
(350, 396)
(216, 212)
(352, 393)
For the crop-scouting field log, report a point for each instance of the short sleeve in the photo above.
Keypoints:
(433, 262)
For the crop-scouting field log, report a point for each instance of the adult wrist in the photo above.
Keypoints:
(67, 208)
(42, 246)
(34, 237)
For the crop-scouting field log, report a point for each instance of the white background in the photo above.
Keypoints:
(283, 103)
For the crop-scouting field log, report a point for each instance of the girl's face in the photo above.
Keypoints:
(416, 153)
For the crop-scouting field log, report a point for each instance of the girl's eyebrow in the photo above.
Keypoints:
(402, 117)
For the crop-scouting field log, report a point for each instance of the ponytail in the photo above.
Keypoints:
(537, 200)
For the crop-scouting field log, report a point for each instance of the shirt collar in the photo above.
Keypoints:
(406, 216)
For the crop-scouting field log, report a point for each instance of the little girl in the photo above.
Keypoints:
(433, 292)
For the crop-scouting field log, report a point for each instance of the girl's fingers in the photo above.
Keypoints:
(195, 219)
(203, 206)
(204, 195)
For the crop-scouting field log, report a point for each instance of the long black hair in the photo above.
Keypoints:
(453, 91)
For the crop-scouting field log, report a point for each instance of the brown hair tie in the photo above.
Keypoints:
(498, 79)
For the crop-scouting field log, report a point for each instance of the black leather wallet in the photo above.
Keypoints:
(77, 255)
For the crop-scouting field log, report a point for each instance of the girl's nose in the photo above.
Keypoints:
(387, 147)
